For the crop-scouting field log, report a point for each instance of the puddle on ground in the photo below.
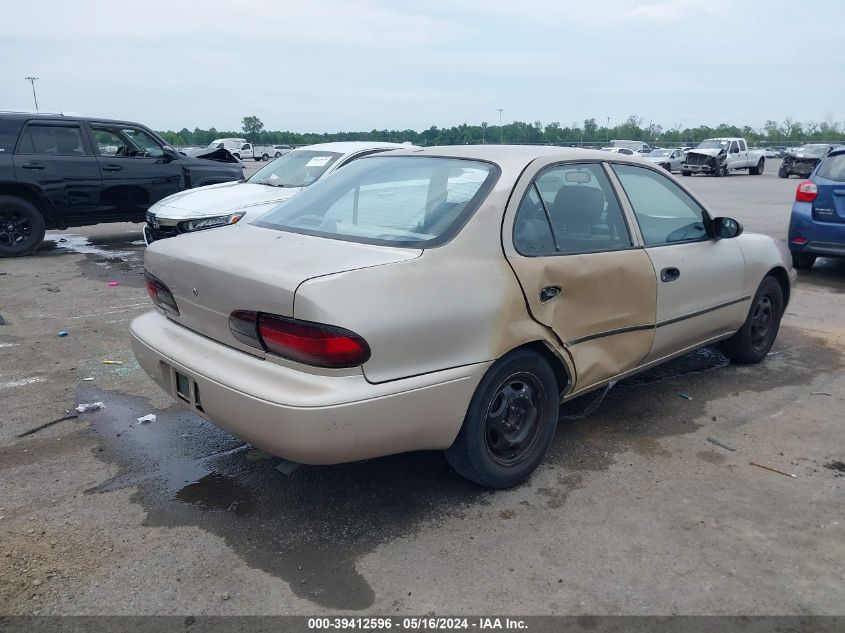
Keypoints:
(311, 527)
(113, 257)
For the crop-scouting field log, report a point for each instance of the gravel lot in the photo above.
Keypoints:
(635, 511)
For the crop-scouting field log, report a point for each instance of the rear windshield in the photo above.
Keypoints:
(833, 168)
(413, 201)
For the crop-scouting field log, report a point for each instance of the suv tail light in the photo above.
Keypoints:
(160, 294)
(303, 341)
(806, 192)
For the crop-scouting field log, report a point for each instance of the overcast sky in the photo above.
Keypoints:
(333, 65)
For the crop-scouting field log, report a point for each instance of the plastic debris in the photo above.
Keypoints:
(713, 440)
(112, 284)
(47, 425)
(819, 393)
(287, 467)
(62, 333)
(685, 395)
(147, 419)
(106, 361)
(2, 320)
(774, 470)
(89, 379)
(89, 406)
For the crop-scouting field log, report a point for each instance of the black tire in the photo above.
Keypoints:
(21, 227)
(755, 338)
(278, 154)
(758, 170)
(803, 261)
(782, 173)
(510, 422)
(667, 167)
(686, 173)
(238, 156)
(265, 157)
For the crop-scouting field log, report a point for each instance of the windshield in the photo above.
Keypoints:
(712, 144)
(298, 168)
(660, 152)
(819, 151)
(413, 201)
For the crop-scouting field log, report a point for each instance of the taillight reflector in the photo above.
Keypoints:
(303, 341)
(806, 192)
(160, 294)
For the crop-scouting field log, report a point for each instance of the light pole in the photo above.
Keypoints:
(501, 135)
(608, 130)
(32, 80)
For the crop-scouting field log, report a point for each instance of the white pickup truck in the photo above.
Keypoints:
(241, 149)
(720, 156)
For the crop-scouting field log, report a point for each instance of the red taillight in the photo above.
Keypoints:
(806, 192)
(799, 240)
(160, 294)
(302, 341)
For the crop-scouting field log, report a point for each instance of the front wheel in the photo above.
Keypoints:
(686, 173)
(803, 261)
(782, 173)
(21, 227)
(755, 338)
(510, 422)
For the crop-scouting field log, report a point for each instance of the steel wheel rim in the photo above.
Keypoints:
(15, 228)
(514, 418)
(762, 321)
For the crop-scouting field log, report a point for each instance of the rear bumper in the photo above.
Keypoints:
(826, 239)
(301, 416)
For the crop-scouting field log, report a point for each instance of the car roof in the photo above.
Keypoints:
(61, 116)
(837, 151)
(348, 147)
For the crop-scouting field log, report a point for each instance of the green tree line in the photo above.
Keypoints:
(588, 132)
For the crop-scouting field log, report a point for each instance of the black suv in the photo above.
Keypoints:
(58, 171)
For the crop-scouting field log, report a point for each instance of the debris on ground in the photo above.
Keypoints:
(2, 320)
(287, 467)
(112, 284)
(150, 417)
(62, 333)
(836, 465)
(233, 507)
(2, 273)
(717, 442)
(47, 425)
(685, 395)
(89, 379)
(89, 406)
(774, 470)
(112, 362)
(52, 289)
(819, 393)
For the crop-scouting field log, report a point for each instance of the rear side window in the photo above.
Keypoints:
(52, 140)
(665, 212)
(581, 213)
(833, 168)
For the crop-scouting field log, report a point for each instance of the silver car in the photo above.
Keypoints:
(668, 159)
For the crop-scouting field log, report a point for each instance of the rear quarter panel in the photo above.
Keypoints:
(456, 305)
(762, 255)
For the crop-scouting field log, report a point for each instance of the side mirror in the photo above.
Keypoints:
(169, 154)
(727, 228)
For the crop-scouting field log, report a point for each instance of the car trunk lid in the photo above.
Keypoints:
(213, 273)
(829, 205)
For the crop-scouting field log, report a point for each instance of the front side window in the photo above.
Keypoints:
(411, 201)
(665, 212)
(125, 142)
(298, 168)
(52, 140)
(582, 213)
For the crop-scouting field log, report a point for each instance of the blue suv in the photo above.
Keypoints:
(817, 225)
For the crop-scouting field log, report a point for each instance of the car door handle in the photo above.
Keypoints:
(669, 274)
(33, 165)
(548, 293)
(112, 167)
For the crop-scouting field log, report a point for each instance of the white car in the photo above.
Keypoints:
(229, 202)
(668, 159)
(623, 151)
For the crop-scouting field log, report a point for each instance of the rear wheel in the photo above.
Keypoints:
(755, 338)
(756, 171)
(265, 157)
(510, 422)
(803, 261)
(21, 227)
(686, 173)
